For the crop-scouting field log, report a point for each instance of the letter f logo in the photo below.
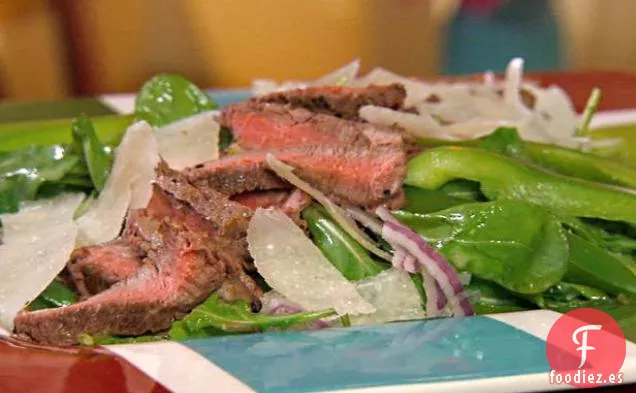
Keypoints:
(583, 344)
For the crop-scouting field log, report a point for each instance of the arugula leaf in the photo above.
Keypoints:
(346, 254)
(463, 189)
(216, 317)
(566, 296)
(55, 295)
(419, 200)
(24, 172)
(478, 238)
(492, 298)
(97, 156)
(167, 98)
(14, 136)
(592, 265)
(615, 236)
(505, 140)
(225, 139)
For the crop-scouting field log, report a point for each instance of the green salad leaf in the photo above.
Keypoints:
(503, 178)
(24, 172)
(506, 141)
(567, 162)
(215, 317)
(420, 200)
(55, 295)
(492, 298)
(566, 296)
(21, 135)
(478, 238)
(592, 265)
(347, 255)
(167, 98)
(97, 156)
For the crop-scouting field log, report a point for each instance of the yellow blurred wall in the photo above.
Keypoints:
(294, 39)
(32, 51)
(227, 43)
(600, 34)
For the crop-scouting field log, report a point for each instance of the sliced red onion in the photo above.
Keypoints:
(435, 299)
(430, 261)
(366, 219)
(410, 264)
(276, 304)
(398, 258)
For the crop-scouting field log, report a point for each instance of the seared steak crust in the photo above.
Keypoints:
(340, 101)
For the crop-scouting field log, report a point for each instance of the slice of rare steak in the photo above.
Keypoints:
(349, 175)
(291, 202)
(258, 125)
(185, 269)
(340, 101)
(230, 218)
(93, 269)
(187, 257)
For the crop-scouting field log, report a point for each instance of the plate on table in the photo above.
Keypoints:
(495, 353)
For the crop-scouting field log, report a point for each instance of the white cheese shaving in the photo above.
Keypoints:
(473, 109)
(190, 141)
(418, 125)
(292, 265)
(344, 75)
(36, 244)
(394, 296)
(128, 186)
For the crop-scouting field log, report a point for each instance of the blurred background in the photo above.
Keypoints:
(51, 49)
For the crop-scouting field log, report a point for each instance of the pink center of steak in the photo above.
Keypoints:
(259, 126)
(94, 269)
(350, 175)
(185, 269)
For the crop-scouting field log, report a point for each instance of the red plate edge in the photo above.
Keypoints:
(38, 369)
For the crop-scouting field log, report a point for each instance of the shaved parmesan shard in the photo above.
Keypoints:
(344, 75)
(292, 265)
(190, 141)
(418, 125)
(128, 186)
(394, 296)
(36, 245)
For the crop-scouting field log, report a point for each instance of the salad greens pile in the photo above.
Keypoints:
(533, 225)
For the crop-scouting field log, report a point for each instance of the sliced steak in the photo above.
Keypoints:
(340, 101)
(187, 257)
(291, 202)
(264, 199)
(185, 269)
(257, 126)
(357, 175)
(230, 218)
(94, 269)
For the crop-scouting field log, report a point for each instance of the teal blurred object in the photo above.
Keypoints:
(486, 35)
